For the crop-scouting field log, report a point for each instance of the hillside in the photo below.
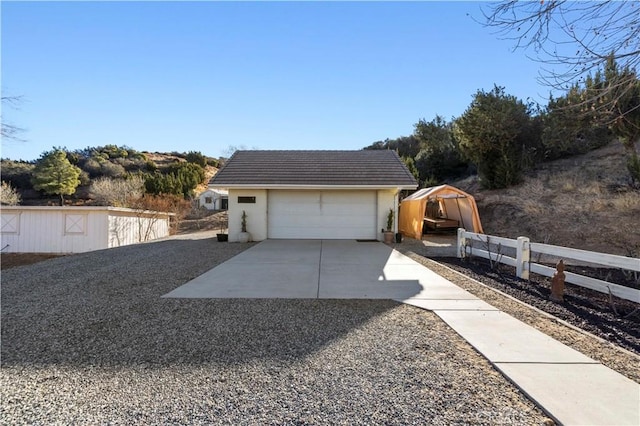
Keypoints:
(163, 160)
(582, 202)
(109, 161)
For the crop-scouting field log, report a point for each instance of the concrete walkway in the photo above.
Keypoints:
(571, 387)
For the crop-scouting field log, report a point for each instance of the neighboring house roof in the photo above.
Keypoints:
(214, 191)
(271, 169)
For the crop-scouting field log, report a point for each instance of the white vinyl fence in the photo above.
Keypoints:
(519, 254)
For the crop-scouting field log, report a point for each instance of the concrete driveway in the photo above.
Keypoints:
(571, 387)
(324, 269)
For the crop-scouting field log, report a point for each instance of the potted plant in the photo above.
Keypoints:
(244, 236)
(388, 234)
(221, 235)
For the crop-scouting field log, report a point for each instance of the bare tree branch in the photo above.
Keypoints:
(9, 131)
(576, 40)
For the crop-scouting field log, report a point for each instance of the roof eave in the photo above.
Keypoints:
(310, 186)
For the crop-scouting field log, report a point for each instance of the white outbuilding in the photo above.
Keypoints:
(214, 199)
(77, 229)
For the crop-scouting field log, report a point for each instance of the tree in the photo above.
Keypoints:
(160, 184)
(189, 176)
(495, 132)
(567, 131)
(627, 126)
(439, 157)
(411, 165)
(577, 39)
(55, 175)
(181, 179)
(405, 146)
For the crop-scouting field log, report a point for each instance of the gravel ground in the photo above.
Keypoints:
(582, 322)
(87, 339)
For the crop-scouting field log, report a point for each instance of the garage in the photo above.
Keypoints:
(283, 194)
(321, 214)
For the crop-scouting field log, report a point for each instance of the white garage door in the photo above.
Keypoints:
(322, 214)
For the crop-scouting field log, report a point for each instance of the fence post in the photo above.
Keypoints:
(523, 256)
(461, 243)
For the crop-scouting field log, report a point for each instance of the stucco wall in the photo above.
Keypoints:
(256, 214)
(387, 199)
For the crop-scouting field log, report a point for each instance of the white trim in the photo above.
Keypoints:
(70, 209)
(314, 187)
(75, 224)
(10, 223)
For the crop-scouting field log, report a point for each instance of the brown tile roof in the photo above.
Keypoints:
(382, 168)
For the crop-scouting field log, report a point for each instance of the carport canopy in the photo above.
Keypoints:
(455, 203)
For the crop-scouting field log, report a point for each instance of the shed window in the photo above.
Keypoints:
(75, 224)
(246, 200)
(10, 223)
(208, 200)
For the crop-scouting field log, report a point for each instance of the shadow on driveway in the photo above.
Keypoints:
(312, 269)
(104, 308)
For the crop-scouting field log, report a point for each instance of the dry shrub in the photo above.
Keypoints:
(198, 212)
(534, 188)
(568, 186)
(592, 188)
(8, 195)
(602, 205)
(534, 208)
(622, 202)
(164, 203)
(627, 201)
(117, 192)
(534, 192)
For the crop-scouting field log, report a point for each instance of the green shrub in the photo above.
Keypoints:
(196, 158)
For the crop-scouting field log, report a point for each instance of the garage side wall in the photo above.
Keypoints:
(387, 199)
(239, 200)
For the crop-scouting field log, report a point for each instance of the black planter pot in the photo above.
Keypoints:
(223, 237)
(398, 237)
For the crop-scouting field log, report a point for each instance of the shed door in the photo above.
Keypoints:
(322, 214)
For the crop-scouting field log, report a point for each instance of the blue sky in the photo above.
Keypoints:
(203, 76)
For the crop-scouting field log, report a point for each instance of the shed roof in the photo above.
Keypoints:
(217, 191)
(442, 191)
(365, 168)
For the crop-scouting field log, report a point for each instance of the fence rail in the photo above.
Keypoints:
(493, 249)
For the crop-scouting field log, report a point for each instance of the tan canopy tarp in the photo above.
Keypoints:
(453, 204)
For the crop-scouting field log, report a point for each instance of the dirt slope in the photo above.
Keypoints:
(582, 202)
